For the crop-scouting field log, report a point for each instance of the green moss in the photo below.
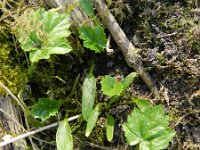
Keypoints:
(11, 73)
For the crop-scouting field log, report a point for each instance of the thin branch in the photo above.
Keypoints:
(35, 131)
(130, 53)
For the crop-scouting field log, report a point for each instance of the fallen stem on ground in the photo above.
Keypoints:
(35, 131)
(130, 53)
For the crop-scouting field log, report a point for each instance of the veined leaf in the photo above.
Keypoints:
(87, 6)
(142, 104)
(148, 127)
(162, 141)
(110, 87)
(144, 146)
(94, 38)
(43, 33)
(64, 140)
(110, 123)
(45, 108)
(128, 79)
(88, 96)
(94, 115)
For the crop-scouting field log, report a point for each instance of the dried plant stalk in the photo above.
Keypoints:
(130, 53)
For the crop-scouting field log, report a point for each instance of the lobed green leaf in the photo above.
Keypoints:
(148, 127)
(94, 38)
(45, 108)
(110, 87)
(142, 104)
(43, 33)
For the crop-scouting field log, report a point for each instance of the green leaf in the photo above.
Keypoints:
(144, 146)
(110, 87)
(148, 127)
(128, 79)
(43, 33)
(131, 138)
(162, 141)
(45, 108)
(94, 115)
(94, 38)
(88, 95)
(64, 140)
(110, 123)
(87, 6)
(142, 104)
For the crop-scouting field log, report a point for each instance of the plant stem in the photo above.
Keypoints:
(92, 68)
(31, 69)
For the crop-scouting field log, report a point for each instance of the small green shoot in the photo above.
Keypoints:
(94, 38)
(110, 123)
(147, 127)
(88, 95)
(64, 140)
(111, 87)
(45, 108)
(94, 115)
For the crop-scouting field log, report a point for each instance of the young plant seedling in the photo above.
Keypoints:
(94, 37)
(43, 33)
(148, 127)
(111, 88)
(114, 89)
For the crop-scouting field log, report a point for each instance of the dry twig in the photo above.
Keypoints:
(129, 51)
